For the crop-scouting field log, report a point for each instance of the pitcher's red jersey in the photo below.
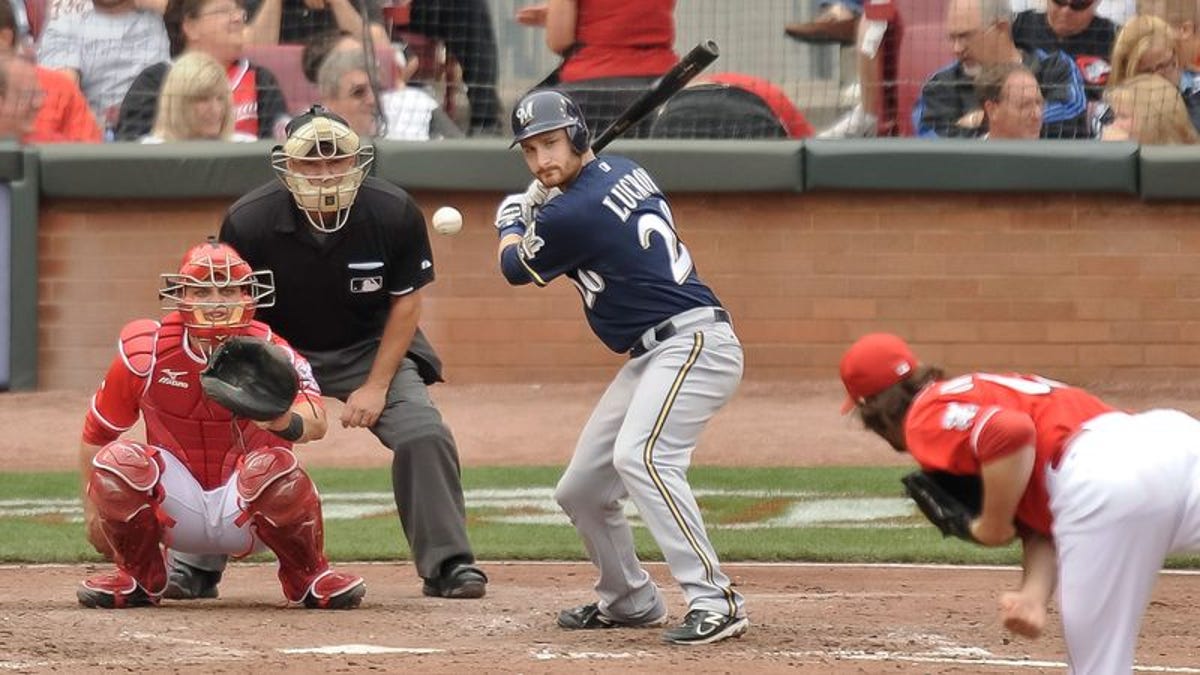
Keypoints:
(947, 420)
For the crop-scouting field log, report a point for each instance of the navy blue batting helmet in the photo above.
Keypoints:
(545, 110)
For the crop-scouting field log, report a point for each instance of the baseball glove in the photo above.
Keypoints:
(252, 378)
(948, 500)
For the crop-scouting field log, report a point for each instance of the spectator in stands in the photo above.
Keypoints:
(196, 103)
(1074, 27)
(981, 33)
(61, 113)
(20, 97)
(465, 26)
(1146, 44)
(1148, 109)
(1012, 102)
(876, 46)
(611, 49)
(409, 113)
(215, 28)
(297, 21)
(103, 50)
(836, 22)
(57, 8)
(1183, 16)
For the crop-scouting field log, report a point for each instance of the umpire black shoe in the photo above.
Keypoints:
(703, 626)
(589, 617)
(459, 581)
(185, 582)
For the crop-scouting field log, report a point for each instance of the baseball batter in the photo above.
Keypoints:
(1112, 493)
(203, 482)
(605, 225)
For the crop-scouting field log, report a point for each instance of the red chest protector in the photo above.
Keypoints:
(179, 417)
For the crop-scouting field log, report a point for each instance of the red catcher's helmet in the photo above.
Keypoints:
(196, 292)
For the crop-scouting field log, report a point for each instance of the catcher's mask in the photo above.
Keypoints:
(216, 292)
(322, 163)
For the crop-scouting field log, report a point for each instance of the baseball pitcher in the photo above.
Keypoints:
(205, 481)
(605, 225)
(1105, 493)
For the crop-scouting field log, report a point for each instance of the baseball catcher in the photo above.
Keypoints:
(223, 399)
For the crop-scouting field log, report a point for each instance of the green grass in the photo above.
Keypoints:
(53, 538)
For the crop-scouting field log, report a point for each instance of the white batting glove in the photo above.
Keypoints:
(536, 195)
(511, 212)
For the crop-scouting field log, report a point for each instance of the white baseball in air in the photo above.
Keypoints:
(447, 220)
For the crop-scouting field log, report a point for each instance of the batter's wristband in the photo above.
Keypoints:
(517, 228)
(294, 430)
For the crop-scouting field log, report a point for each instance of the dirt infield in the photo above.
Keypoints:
(804, 618)
(809, 618)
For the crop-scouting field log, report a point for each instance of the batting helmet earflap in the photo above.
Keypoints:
(545, 110)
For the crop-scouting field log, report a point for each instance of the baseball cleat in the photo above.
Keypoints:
(462, 582)
(336, 590)
(114, 590)
(703, 626)
(185, 582)
(589, 617)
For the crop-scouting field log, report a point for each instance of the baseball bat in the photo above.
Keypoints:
(688, 67)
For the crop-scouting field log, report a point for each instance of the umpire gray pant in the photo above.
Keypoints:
(426, 477)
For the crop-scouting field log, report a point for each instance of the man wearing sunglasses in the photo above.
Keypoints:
(981, 34)
(1074, 27)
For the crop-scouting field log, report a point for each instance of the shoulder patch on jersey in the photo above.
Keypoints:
(137, 344)
(959, 416)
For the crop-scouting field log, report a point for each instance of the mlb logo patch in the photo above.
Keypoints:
(366, 284)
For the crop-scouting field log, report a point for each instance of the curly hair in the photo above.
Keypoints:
(884, 412)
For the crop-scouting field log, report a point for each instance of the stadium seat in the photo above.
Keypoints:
(284, 62)
(35, 12)
(920, 50)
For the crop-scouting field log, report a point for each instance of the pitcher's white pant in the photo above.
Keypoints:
(638, 444)
(1126, 495)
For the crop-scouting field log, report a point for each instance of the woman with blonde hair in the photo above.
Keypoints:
(196, 103)
(1148, 109)
(1145, 45)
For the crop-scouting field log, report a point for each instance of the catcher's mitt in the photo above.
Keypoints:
(948, 500)
(252, 378)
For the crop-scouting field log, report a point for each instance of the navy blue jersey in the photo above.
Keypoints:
(612, 234)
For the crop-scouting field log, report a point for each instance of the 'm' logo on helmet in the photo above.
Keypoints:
(525, 113)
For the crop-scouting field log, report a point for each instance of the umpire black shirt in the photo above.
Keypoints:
(336, 293)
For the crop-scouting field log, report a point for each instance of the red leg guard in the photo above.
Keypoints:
(285, 511)
(124, 487)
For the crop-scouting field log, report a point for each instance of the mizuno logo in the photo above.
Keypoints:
(171, 378)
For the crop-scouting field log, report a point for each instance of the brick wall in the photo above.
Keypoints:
(1075, 286)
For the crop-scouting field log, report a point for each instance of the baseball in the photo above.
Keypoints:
(447, 220)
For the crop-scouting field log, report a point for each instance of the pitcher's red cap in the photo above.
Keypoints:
(874, 363)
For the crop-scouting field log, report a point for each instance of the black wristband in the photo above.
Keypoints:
(294, 430)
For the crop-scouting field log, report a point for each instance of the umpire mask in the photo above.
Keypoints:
(322, 163)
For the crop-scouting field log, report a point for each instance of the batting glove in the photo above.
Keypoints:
(537, 194)
(511, 212)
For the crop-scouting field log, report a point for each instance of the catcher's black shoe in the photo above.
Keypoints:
(459, 581)
(703, 626)
(185, 582)
(114, 590)
(589, 617)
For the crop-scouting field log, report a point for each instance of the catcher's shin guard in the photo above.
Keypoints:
(124, 487)
(284, 509)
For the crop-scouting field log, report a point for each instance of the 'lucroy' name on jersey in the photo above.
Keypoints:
(629, 191)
